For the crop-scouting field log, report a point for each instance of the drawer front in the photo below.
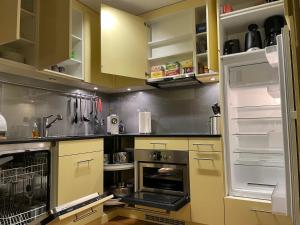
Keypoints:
(250, 212)
(205, 144)
(79, 175)
(79, 146)
(207, 188)
(162, 143)
(81, 218)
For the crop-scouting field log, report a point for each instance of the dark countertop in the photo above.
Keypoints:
(70, 138)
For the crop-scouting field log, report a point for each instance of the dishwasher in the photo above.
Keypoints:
(24, 182)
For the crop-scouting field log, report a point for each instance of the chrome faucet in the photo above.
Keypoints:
(47, 125)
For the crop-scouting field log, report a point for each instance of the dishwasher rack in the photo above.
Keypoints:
(24, 187)
(14, 216)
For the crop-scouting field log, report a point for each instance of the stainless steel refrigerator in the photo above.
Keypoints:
(260, 127)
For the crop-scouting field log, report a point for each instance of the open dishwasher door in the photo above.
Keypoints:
(81, 209)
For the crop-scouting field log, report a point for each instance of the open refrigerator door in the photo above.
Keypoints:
(259, 129)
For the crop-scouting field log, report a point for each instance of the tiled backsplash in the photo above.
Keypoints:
(180, 110)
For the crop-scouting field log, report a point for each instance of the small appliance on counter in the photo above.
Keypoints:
(231, 47)
(3, 127)
(113, 124)
(273, 26)
(145, 122)
(215, 120)
(253, 38)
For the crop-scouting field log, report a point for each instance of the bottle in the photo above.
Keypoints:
(35, 130)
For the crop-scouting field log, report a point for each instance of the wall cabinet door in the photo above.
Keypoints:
(10, 13)
(207, 187)
(123, 43)
(54, 32)
(79, 175)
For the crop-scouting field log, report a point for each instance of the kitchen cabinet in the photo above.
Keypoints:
(18, 19)
(79, 169)
(123, 43)
(207, 186)
(161, 143)
(251, 212)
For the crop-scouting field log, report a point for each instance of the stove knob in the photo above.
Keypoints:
(157, 156)
(165, 157)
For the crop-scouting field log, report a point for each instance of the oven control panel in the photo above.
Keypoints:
(161, 156)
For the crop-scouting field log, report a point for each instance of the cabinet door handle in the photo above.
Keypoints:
(84, 161)
(200, 144)
(204, 159)
(78, 218)
(261, 211)
(157, 143)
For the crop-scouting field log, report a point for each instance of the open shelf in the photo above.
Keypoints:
(118, 167)
(171, 56)
(203, 34)
(75, 39)
(70, 62)
(27, 13)
(173, 81)
(239, 20)
(243, 150)
(202, 55)
(171, 40)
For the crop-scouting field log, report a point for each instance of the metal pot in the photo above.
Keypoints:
(120, 157)
(121, 190)
(215, 124)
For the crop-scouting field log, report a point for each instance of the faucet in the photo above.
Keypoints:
(47, 125)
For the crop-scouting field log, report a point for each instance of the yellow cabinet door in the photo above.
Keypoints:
(54, 32)
(124, 41)
(207, 187)
(161, 143)
(79, 175)
(10, 14)
(251, 212)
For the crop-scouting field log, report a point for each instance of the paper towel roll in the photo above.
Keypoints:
(144, 122)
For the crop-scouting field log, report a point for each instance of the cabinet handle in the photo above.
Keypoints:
(199, 144)
(78, 218)
(157, 143)
(204, 159)
(84, 161)
(261, 211)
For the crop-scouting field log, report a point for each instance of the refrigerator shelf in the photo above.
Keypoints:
(257, 118)
(271, 151)
(260, 163)
(251, 134)
(247, 107)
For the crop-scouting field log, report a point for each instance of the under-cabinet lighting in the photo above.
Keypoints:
(128, 89)
(212, 79)
(95, 88)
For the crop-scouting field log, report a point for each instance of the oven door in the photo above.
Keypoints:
(163, 186)
(163, 178)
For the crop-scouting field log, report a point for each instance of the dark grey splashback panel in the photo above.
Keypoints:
(21, 106)
(177, 110)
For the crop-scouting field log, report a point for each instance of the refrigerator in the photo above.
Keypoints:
(260, 127)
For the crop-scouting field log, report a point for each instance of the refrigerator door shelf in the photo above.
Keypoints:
(272, 55)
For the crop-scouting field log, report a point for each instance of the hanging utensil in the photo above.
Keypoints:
(85, 111)
(75, 120)
(96, 112)
(80, 110)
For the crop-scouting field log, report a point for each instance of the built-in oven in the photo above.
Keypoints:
(24, 182)
(162, 179)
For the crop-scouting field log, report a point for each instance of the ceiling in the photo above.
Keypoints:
(135, 7)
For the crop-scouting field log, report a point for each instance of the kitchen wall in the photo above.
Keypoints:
(179, 110)
(21, 106)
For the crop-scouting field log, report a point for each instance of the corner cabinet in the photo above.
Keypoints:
(206, 181)
(123, 43)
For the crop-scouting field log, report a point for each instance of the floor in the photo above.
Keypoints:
(127, 221)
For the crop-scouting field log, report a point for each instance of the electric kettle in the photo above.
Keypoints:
(253, 38)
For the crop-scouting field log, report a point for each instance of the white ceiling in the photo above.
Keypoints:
(135, 7)
(93, 4)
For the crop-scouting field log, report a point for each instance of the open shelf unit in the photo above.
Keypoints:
(74, 66)
(174, 38)
(25, 44)
(235, 24)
